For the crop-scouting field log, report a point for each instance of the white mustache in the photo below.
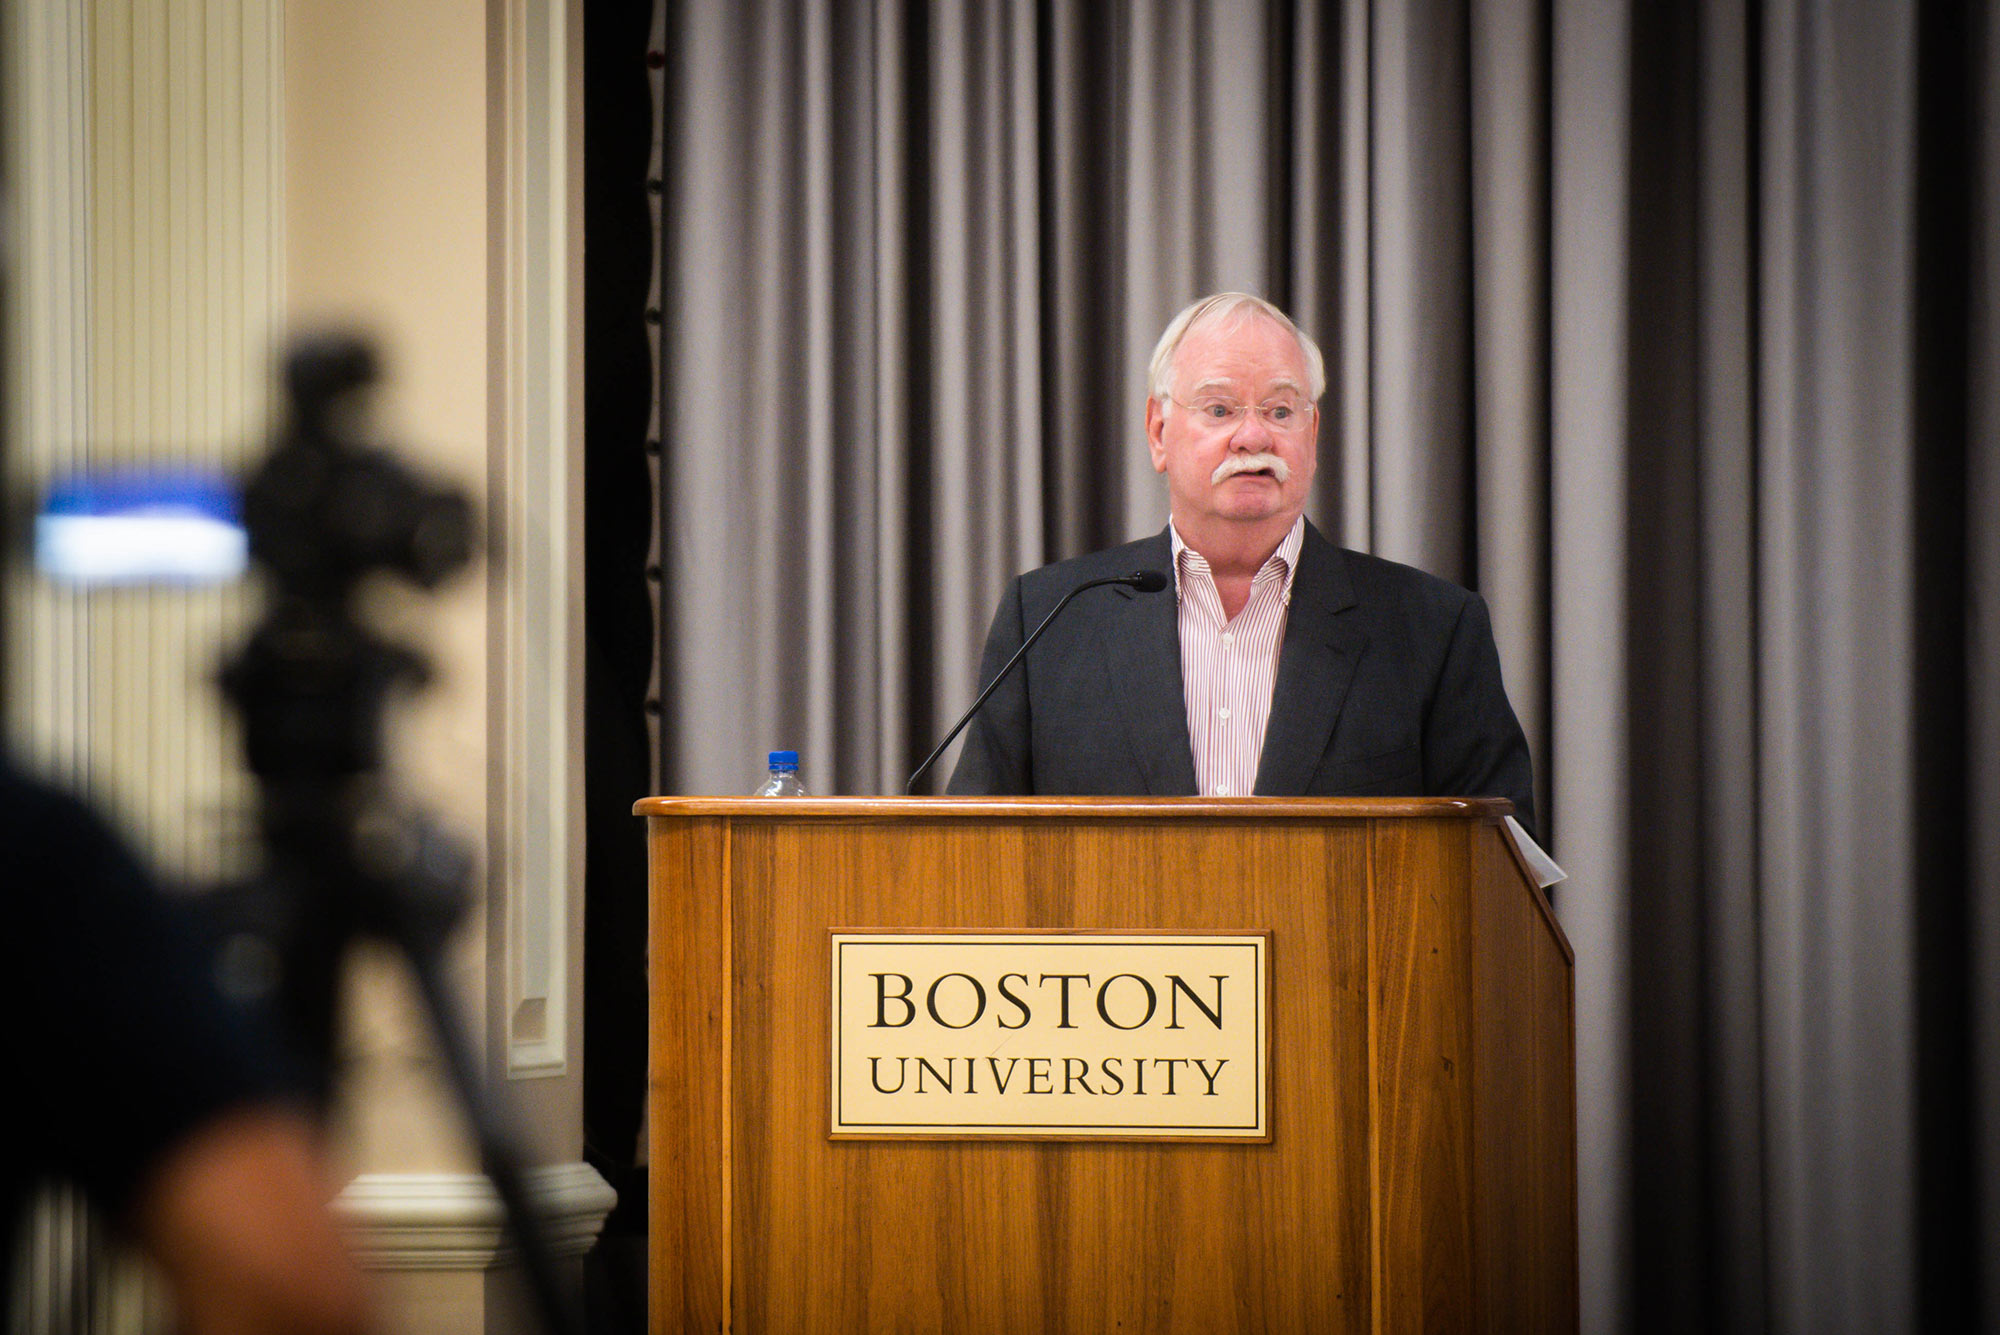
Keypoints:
(1250, 463)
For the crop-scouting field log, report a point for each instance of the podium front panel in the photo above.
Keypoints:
(1378, 1199)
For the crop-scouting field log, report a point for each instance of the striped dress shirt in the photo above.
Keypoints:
(1229, 667)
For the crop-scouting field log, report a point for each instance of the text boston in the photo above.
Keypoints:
(1138, 1003)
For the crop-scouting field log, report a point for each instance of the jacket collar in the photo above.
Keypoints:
(1145, 669)
(1315, 668)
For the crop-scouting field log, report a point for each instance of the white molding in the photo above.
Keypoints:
(541, 665)
(453, 1221)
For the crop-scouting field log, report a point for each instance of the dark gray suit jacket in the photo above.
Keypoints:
(1388, 684)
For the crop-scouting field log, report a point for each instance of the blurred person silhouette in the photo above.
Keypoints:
(142, 1084)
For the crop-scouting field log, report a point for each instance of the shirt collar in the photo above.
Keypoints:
(1285, 561)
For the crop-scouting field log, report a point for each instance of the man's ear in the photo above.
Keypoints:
(1156, 444)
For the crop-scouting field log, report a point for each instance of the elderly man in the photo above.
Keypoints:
(1283, 665)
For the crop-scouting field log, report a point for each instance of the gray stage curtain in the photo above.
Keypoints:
(1668, 327)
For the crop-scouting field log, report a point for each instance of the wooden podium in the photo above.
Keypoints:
(1419, 1172)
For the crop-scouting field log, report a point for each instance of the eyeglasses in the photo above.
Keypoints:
(1284, 415)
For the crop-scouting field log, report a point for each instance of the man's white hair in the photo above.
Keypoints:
(1214, 309)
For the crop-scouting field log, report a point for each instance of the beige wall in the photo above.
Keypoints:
(386, 223)
(399, 163)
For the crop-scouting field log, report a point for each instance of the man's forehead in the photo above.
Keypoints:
(1280, 378)
(1230, 350)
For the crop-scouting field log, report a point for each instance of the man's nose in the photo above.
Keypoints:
(1252, 434)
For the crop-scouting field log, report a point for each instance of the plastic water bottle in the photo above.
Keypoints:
(784, 777)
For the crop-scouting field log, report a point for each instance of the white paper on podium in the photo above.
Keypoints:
(1544, 867)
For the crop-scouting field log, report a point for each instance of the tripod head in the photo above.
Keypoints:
(322, 512)
(324, 509)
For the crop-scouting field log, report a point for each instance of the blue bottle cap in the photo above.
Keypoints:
(784, 760)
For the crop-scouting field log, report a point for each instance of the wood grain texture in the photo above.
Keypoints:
(1013, 1236)
(1423, 1080)
(1525, 1115)
(685, 1117)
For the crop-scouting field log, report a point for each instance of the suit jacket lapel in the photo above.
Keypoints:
(1315, 668)
(1143, 664)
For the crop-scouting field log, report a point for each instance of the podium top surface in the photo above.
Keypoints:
(1077, 808)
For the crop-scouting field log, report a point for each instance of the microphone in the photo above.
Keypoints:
(1144, 581)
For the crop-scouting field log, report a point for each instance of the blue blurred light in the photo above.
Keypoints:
(142, 526)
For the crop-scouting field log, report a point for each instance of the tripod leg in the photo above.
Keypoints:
(555, 1304)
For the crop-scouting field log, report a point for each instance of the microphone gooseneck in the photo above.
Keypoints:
(1143, 581)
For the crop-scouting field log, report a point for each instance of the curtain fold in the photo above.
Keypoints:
(1587, 756)
(1719, 1236)
(1834, 568)
(1981, 593)
(1669, 328)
